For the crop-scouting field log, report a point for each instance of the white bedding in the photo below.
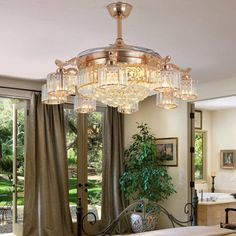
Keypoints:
(189, 231)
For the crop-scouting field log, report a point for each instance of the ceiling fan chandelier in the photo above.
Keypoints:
(118, 75)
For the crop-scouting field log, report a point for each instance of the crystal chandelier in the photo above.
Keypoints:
(118, 75)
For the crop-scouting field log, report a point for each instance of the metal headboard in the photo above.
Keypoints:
(147, 208)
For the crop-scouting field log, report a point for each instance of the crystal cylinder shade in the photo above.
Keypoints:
(166, 100)
(169, 80)
(112, 77)
(84, 105)
(49, 99)
(60, 84)
(188, 89)
(129, 108)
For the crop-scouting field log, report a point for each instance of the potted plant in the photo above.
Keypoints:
(144, 176)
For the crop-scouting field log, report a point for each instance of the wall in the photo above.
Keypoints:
(163, 124)
(224, 137)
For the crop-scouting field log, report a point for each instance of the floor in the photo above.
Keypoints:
(6, 229)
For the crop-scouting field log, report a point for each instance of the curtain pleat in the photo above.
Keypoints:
(113, 200)
(46, 207)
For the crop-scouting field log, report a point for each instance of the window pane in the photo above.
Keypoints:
(199, 159)
(71, 145)
(95, 157)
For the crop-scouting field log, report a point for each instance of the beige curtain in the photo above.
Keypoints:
(46, 208)
(113, 201)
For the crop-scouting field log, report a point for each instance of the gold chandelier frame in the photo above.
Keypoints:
(121, 75)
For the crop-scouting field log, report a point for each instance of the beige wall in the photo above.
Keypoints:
(164, 124)
(223, 137)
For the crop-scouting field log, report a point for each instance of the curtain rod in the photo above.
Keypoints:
(22, 89)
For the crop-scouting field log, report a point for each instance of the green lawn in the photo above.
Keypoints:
(5, 189)
(94, 192)
(73, 190)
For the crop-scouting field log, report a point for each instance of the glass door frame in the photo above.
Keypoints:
(82, 165)
(17, 227)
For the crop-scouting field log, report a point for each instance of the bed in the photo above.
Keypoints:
(189, 230)
(189, 226)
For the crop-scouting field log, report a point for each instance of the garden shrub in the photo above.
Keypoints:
(6, 164)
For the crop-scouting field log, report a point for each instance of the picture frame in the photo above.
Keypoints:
(167, 148)
(227, 159)
(198, 119)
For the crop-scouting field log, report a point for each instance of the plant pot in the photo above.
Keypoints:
(141, 222)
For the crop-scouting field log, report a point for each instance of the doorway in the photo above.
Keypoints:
(215, 136)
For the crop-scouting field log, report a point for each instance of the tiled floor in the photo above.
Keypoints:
(5, 229)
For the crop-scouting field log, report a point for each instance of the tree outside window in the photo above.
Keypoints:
(200, 155)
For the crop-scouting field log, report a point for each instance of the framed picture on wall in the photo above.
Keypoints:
(227, 159)
(167, 148)
(198, 119)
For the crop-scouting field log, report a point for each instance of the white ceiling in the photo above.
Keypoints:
(197, 33)
(217, 104)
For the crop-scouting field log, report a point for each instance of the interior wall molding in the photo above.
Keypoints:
(13, 87)
(21, 83)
